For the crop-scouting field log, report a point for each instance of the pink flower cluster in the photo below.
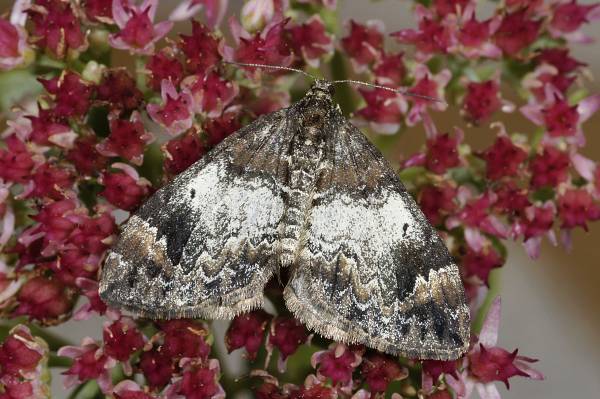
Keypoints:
(100, 138)
(174, 360)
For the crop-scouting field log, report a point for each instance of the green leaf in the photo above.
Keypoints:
(152, 169)
(17, 85)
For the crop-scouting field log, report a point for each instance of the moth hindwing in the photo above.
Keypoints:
(303, 189)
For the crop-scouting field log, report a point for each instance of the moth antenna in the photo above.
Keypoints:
(403, 92)
(266, 66)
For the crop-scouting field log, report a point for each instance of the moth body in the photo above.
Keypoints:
(301, 189)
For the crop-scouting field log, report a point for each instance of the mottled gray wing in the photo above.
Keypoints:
(372, 270)
(202, 245)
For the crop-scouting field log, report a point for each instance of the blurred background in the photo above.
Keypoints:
(550, 305)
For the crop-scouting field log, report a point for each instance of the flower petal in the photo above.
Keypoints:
(489, 331)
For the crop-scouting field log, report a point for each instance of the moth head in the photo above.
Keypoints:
(322, 86)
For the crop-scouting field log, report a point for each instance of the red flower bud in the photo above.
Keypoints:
(44, 299)
(248, 331)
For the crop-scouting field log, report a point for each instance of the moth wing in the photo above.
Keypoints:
(201, 246)
(372, 269)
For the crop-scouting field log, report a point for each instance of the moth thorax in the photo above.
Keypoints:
(313, 123)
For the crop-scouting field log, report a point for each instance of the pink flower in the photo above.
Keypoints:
(247, 331)
(71, 94)
(214, 11)
(55, 27)
(336, 363)
(14, 388)
(576, 207)
(487, 363)
(558, 58)
(176, 114)
(127, 139)
(45, 299)
(474, 37)
(511, 200)
(436, 202)
(384, 110)
(24, 365)
(503, 158)
(379, 371)
(119, 90)
(163, 66)
(568, 16)
(182, 152)
(562, 120)
(211, 93)
(476, 215)
(184, 338)
(311, 40)
(390, 70)
(16, 162)
(428, 85)
(440, 395)
(516, 32)
(13, 45)
(49, 181)
(364, 43)
(482, 100)
(201, 49)
(433, 369)
(157, 367)
(286, 334)
(85, 156)
(313, 388)
(200, 381)
(124, 189)
(47, 129)
(432, 36)
(89, 288)
(121, 339)
(137, 33)
(442, 153)
(99, 10)
(267, 47)
(219, 128)
(56, 221)
(549, 168)
(128, 389)
(20, 353)
(480, 263)
(89, 363)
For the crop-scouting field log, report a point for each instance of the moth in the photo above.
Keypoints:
(300, 189)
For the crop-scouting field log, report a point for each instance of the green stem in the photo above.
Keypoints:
(493, 292)
(59, 361)
(89, 390)
(141, 77)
